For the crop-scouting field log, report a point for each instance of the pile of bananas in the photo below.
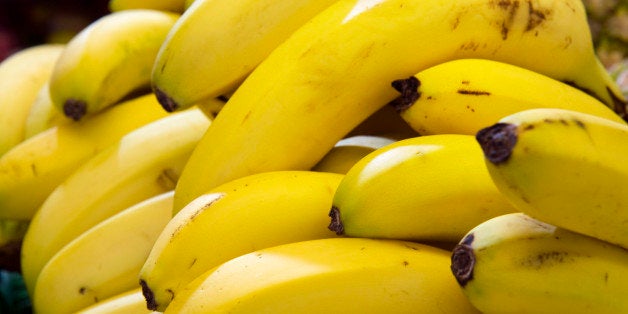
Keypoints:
(346, 156)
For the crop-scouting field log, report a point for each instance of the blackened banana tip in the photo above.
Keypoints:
(151, 304)
(336, 223)
(462, 263)
(165, 101)
(409, 90)
(74, 109)
(497, 141)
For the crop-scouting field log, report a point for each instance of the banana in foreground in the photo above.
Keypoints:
(249, 213)
(335, 71)
(462, 96)
(563, 167)
(516, 264)
(334, 275)
(427, 188)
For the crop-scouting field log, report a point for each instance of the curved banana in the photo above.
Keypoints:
(34, 168)
(176, 6)
(22, 75)
(462, 96)
(350, 150)
(235, 218)
(143, 163)
(427, 188)
(129, 302)
(336, 70)
(516, 264)
(42, 114)
(226, 39)
(104, 260)
(108, 60)
(334, 275)
(563, 167)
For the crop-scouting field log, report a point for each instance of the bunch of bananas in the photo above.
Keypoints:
(319, 156)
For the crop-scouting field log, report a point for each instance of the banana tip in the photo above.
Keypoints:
(463, 261)
(151, 303)
(409, 90)
(336, 224)
(165, 101)
(74, 109)
(497, 141)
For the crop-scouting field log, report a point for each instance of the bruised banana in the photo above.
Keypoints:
(108, 60)
(22, 75)
(563, 167)
(334, 275)
(227, 39)
(42, 114)
(34, 168)
(516, 264)
(462, 96)
(144, 163)
(428, 188)
(335, 71)
(350, 150)
(104, 260)
(129, 302)
(238, 217)
(177, 6)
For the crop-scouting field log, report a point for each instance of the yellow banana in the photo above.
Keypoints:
(176, 6)
(34, 168)
(104, 260)
(143, 163)
(563, 167)
(462, 96)
(335, 71)
(226, 39)
(129, 302)
(235, 218)
(350, 150)
(42, 114)
(427, 188)
(108, 60)
(516, 264)
(22, 75)
(334, 275)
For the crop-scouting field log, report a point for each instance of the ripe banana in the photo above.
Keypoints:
(563, 167)
(516, 264)
(176, 6)
(227, 39)
(334, 275)
(21, 76)
(427, 188)
(350, 150)
(462, 96)
(130, 302)
(34, 168)
(238, 217)
(42, 114)
(108, 60)
(104, 260)
(336, 70)
(143, 163)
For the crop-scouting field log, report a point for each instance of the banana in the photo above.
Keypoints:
(212, 106)
(238, 217)
(227, 39)
(108, 60)
(34, 168)
(350, 150)
(176, 6)
(334, 275)
(22, 74)
(143, 163)
(462, 96)
(104, 260)
(42, 114)
(336, 70)
(563, 167)
(129, 302)
(427, 188)
(516, 264)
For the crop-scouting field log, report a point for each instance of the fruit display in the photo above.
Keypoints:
(347, 156)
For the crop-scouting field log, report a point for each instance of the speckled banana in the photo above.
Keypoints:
(176, 6)
(427, 188)
(335, 71)
(563, 167)
(350, 150)
(129, 302)
(226, 39)
(34, 168)
(516, 264)
(238, 217)
(43, 114)
(107, 60)
(143, 163)
(462, 96)
(22, 75)
(104, 260)
(334, 275)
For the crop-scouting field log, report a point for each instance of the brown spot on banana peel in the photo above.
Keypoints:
(497, 141)
(165, 101)
(463, 261)
(336, 223)
(149, 296)
(409, 89)
(74, 109)
(473, 92)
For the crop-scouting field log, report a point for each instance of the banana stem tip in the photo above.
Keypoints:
(74, 109)
(336, 224)
(463, 261)
(409, 89)
(497, 141)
